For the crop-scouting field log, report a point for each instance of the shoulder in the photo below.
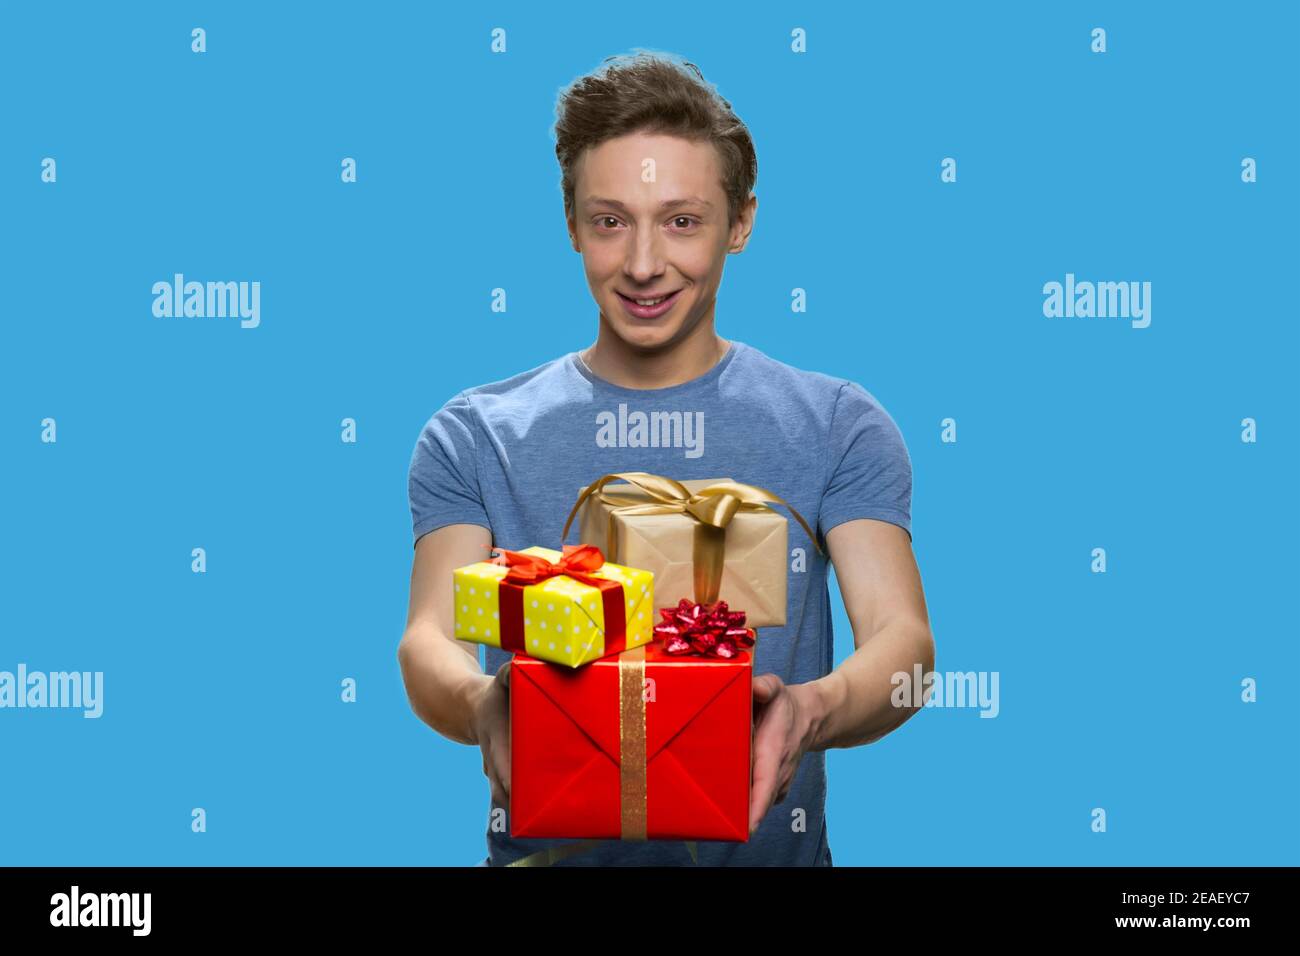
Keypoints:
(531, 390)
(828, 395)
(521, 384)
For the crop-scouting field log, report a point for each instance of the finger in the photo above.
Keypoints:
(501, 775)
(760, 801)
(763, 689)
(503, 675)
(764, 783)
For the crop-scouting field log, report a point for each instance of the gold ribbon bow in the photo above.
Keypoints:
(712, 507)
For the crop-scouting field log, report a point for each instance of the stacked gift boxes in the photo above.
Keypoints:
(629, 721)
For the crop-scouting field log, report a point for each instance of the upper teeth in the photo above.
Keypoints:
(650, 301)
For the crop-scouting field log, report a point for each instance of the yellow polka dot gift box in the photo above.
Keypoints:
(567, 607)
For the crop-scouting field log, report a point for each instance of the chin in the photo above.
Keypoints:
(645, 337)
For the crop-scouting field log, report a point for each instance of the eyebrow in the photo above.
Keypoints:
(666, 204)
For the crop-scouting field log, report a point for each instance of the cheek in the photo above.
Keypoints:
(701, 266)
(601, 259)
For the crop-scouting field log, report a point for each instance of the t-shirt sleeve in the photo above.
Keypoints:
(870, 469)
(443, 479)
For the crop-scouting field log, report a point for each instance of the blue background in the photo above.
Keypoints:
(222, 690)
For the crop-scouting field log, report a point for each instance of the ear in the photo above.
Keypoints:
(572, 226)
(743, 226)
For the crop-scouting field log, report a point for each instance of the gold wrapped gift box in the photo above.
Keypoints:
(706, 539)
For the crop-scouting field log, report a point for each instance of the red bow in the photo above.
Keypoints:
(577, 563)
(578, 560)
(707, 629)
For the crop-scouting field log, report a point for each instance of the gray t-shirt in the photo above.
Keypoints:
(511, 455)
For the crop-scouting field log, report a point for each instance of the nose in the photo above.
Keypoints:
(644, 256)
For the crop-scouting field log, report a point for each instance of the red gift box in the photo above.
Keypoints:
(641, 745)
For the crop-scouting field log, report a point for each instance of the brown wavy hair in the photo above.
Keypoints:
(654, 93)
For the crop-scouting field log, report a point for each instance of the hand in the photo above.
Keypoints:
(785, 720)
(492, 730)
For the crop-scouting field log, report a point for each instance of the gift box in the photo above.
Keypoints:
(567, 607)
(715, 539)
(641, 746)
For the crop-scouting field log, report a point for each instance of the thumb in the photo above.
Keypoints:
(503, 675)
(764, 688)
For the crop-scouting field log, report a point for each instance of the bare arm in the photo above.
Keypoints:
(852, 704)
(882, 592)
(442, 675)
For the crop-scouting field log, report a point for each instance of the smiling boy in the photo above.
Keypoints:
(657, 178)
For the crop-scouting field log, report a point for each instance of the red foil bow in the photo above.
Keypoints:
(710, 630)
(578, 561)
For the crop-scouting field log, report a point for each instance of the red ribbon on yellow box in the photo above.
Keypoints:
(578, 561)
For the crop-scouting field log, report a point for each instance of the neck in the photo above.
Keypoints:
(627, 366)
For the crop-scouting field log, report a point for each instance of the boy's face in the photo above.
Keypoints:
(644, 240)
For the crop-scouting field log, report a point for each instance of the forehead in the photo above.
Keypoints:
(614, 169)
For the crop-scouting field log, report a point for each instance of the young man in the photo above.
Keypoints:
(501, 463)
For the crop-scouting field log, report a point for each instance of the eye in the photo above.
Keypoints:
(603, 222)
(685, 222)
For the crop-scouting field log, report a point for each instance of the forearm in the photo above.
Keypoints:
(443, 682)
(853, 704)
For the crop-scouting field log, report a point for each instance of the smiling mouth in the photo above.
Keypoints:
(649, 302)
